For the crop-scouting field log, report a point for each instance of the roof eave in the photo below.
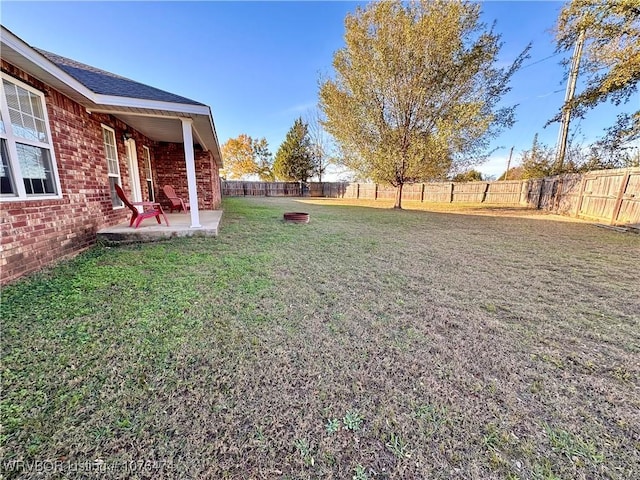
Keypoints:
(93, 101)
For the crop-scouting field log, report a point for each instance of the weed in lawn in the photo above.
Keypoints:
(398, 447)
(360, 473)
(497, 461)
(492, 388)
(622, 374)
(102, 433)
(123, 424)
(572, 446)
(304, 449)
(434, 416)
(544, 471)
(494, 438)
(553, 360)
(490, 307)
(11, 414)
(259, 435)
(537, 386)
(333, 425)
(352, 420)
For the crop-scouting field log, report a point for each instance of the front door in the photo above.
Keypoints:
(134, 173)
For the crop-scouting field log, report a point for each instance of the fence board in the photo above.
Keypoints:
(600, 194)
(471, 192)
(630, 207)
(437, 192)
(506, 192)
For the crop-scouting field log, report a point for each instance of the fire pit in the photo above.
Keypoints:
(296, 217)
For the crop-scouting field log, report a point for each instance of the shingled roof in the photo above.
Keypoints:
(106, 83)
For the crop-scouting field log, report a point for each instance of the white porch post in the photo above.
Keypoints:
(189, 158)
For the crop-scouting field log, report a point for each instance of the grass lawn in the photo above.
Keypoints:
(369, 343)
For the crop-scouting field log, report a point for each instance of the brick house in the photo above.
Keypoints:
(68, 133)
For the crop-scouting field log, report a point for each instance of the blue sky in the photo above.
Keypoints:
(257, 64)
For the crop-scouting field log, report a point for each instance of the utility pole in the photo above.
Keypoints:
(506, 174)
(561, 148)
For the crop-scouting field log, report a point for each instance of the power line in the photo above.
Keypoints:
(540, 61)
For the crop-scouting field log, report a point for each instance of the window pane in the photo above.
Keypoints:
(152, 197)
(110, 151)
(11, 94)
(36, 106)
(2, 130)
(36, 170)
(26, 113)
(6, 178)
(115, 199)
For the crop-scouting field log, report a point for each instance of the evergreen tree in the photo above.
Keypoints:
(294, 159)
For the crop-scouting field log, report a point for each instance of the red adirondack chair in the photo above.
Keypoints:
(150, 210)
(176, 202)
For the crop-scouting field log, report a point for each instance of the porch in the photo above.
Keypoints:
(150, 231)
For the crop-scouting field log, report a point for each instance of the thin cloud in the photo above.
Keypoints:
(299, 108)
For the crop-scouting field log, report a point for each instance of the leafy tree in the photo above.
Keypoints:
(294, 159)
(514, 173)
(468, 176)
(237, 156)
(321, 144)
(537, 162)
(602, 156)
(416, 90)
(611, 58)
(246, 156)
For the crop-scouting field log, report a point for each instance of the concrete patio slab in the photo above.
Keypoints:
(150, 231)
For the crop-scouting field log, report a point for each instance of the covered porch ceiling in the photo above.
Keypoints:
(163, 126)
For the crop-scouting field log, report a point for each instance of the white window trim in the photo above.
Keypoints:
(113, 175)
(148, 168)
(21, 193)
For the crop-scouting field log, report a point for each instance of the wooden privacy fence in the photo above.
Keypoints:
(611, 196)
(261, 189)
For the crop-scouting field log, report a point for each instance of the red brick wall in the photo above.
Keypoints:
(170, 169)
(36, 233)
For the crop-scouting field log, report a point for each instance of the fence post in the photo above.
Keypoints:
(484, 195)
(357, 191)
(451, 193)
(539, 201)
(558, 194)
(623, 188)
(422, 194)
(375, 191)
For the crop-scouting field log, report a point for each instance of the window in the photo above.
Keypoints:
(28, 167)
(148, 173)
(113, 166)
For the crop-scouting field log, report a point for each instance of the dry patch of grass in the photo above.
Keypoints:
(367, 344)
(494, 210)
